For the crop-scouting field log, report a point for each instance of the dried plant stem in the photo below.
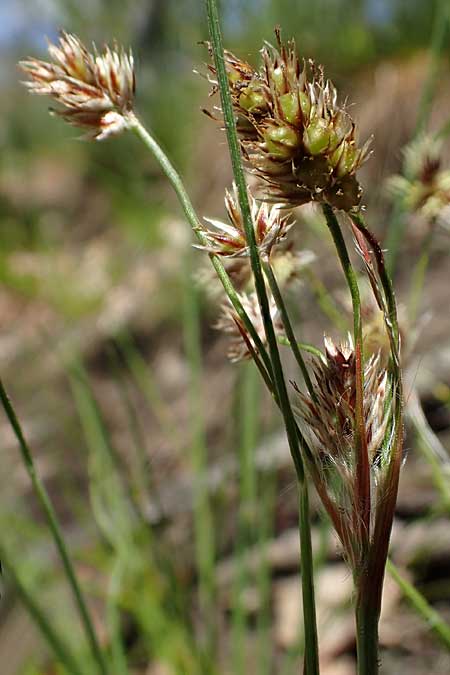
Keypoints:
(292, 341)
(175, 180)
(56, 532)
(362, 483)
(60, 649)
(434, 620)
(311, 644)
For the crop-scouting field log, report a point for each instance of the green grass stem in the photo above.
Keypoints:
(56, 532)
(55, 642)
(433, 619)
(292, 340)
(311, 651)
(362, 482)
(203, 516)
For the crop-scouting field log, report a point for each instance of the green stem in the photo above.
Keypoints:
(431, 448)
(97, 435)
(203, 518)
(371, 585)
(192, 218)
(142, 477)
(56, 644)
(388, 289)
(292, 341)
(362, 483)
(145, 380)
(56, 532)
(434, 620)
(245, 421)
(367, 617)
(303, 346)
(311, 653)
(418, 277)
(325, 300)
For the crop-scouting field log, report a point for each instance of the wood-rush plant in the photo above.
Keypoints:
(285, 126)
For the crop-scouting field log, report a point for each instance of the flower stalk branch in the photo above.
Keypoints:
(311, 642)
(362, 484)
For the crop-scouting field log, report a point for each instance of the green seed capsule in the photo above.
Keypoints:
(251, 100)
(305, 103)
(290, 107)
(347, 160)
(234, 76)
(281, 141)
(336, 156)
(317, 137)
(278, 79)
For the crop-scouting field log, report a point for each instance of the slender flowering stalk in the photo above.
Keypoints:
(309, 610)
(286, 322)
(370, 582)
(362, 485)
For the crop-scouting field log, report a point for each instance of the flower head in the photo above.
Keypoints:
(95, 91)
(229, 240)
(424, 187)
(231, 324)
(293, 133)
(332, 421)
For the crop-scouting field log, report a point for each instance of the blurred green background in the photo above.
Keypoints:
(108, 350)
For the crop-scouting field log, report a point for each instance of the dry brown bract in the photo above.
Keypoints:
(95, 91)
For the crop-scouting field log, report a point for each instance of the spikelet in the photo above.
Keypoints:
(293, 133)
(424, 187)
(94, 91)
(231, 324)
(332, 422)
(229, 240)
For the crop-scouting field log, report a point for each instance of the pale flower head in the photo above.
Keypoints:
(94, 91)
(229, 240)
(241, 343)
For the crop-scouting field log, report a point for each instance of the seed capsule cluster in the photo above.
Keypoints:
(293, 133)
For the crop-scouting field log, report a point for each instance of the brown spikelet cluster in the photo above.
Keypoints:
(241, 344)
(332, 421)
(229, 240)
(424, 187)
(293, 133)
(94, 91)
